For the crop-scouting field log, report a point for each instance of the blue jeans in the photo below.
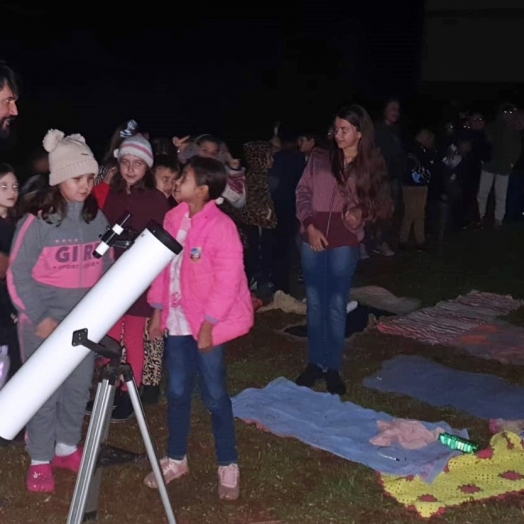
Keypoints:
(184, 361)
(327, 275)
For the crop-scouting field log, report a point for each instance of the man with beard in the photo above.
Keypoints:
(8, 111)
(8, 99)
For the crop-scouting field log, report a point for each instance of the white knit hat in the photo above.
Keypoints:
(69, 156)
(137, 146)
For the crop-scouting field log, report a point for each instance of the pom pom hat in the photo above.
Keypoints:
(69, 156)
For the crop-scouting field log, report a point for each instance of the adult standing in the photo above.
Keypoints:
(341, 190)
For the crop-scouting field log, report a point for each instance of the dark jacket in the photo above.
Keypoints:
(420, 165)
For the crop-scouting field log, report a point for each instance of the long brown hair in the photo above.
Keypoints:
(51, 202)
(368, 168)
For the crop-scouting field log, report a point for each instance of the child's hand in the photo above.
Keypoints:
(155, 329)
(205, 337)
(181, 143)
(233, 163)
(110, 173)
(46, 327)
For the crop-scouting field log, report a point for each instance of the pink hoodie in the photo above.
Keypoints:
(212, 277)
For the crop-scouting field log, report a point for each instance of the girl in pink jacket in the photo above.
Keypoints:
(201, 300)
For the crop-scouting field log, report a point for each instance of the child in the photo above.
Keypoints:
(132, 190)
(8, 198)
(210, 146)
(166, 171)
(52, 267)
(202, 300)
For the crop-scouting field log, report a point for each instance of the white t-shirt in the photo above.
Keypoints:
(177, 324)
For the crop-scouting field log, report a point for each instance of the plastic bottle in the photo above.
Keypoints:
(459, 443)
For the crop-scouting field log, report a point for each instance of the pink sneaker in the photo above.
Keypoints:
(39, 479)
(228, 482)
(171, 469)
(70, 462)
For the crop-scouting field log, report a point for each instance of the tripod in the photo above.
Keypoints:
(88, 481)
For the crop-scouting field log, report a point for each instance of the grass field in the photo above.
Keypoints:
(284, 480)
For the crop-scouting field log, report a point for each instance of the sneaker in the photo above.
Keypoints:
(39, 479)
(228, 482)
(310, 376)
(383, 249)
(171, 469)
(421, 247)
(334, 383)
(70, 462)
(123, 410)
(150, 395)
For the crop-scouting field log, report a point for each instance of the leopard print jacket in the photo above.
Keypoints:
(259, 209)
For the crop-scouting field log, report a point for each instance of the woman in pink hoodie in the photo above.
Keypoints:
(201, 300)
(341, 190)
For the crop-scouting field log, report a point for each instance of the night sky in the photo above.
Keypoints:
(231, 71)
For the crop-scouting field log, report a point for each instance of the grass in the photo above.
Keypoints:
(284, 480)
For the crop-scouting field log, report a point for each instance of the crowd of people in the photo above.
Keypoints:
(311, 203)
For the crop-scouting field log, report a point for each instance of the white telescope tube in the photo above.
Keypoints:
(99, 310)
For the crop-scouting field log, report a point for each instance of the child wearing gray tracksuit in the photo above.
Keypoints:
(51, 268)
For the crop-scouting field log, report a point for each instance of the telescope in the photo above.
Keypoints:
(81, 331)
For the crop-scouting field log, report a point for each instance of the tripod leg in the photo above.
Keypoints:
(95, 433)
(146, 437)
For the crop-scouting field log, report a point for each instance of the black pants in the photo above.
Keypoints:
(258, 253)
(284, 247)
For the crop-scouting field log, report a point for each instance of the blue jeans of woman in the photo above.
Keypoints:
(328, 275)
(184, 362)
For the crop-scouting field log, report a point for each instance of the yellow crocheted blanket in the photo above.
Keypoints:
(492, 472)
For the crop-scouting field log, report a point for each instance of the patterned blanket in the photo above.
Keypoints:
(448, 320)
(493, 472)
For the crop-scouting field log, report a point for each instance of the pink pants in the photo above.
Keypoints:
(130, 331)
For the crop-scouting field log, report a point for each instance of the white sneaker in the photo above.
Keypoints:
(228, 482)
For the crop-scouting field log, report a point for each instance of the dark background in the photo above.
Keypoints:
(234, 69)
(180, 69)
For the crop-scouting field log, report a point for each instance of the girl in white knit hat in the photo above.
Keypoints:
(51, 269)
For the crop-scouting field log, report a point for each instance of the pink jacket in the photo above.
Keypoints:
(212, 277)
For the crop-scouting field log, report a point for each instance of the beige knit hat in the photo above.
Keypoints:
(69, 156)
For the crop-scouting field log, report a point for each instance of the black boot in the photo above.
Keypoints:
(334, 383)
(124, 409)
(150, 394)
(310, 376)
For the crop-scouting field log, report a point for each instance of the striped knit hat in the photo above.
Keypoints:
(137, 146)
